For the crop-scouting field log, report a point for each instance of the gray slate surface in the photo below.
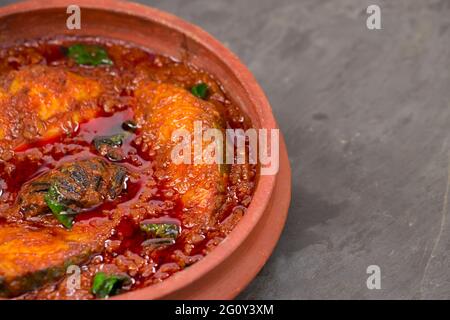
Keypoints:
(366, 117)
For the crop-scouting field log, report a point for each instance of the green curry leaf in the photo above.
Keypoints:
(61, 212)
(160, 230)
(104, 285)
(88, 55)
(200, 90)
(112, 141)
(109, 146)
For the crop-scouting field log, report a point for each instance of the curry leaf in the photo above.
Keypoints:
(158, 242)
(200, 90)
(160, 230)
(89, 55)
(113, 141)
(104, 285)
(62, 213)
(109, 146)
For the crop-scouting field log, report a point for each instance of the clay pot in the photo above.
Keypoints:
(228, 269)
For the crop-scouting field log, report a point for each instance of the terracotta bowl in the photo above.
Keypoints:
(228, 269)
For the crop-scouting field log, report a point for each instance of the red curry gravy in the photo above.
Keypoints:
(39, 145)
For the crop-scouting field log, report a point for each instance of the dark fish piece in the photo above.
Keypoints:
(78, 185)
(31, 256)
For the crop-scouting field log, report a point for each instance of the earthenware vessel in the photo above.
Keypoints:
(229, 268)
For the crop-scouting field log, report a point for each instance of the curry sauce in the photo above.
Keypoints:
(86, 168)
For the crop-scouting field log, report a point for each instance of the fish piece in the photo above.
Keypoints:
(32, 256)
(42, 102)
(79, 185)
(162, 109)
(34, 253)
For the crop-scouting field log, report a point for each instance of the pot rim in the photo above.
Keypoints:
(265, 184)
